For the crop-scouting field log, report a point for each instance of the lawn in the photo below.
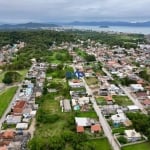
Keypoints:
(142, 146)
(101, 144)
(118, 130)
(5, 98)
(122, 100)
(90, 114)
(91, 80)
(101, 100)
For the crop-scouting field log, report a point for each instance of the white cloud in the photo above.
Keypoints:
(70, 10)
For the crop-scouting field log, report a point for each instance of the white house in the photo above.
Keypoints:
(136, 87)
(132, 135)
(133, 108)
(119, 118)
(22, 126)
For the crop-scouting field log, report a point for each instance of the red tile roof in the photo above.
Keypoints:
(95, 128)
(146, 102)
(20, 104)
(80, 129)
(108, 98)
(3, 148)
(18, 108)
(9, 134)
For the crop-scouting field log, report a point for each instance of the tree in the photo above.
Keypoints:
(11, 77)
(90, 58)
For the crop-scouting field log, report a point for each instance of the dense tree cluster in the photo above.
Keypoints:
(77, 142)
(144, 74)
(11, 77)
(141, 123)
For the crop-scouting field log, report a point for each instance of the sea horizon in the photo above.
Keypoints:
(122, 29)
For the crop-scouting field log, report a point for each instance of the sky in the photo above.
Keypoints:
(21, 11)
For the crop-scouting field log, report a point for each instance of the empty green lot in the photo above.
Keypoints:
(5, 99)
(101, 144)
(142, 146)
(122, 100)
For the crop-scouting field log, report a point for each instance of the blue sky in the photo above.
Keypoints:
(17, 11)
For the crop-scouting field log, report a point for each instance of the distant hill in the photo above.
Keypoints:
(29, 25)
(110, 23)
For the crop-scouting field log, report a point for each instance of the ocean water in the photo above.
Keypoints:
(142, 30)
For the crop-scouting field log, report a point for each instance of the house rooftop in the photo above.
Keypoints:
(3, 147)
(132, 133)
(8, 134)
(108, 98)
(95, 128)
(80, 129)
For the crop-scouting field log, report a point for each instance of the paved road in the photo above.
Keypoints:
(2, 119)
(108, 74)
(134, 100)
(102, 120)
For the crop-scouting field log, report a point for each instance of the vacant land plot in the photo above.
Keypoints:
(100, 144)
(101, 100)
(90, 114)
(142, 146)
(122, 100)
(91, 80)
(5, 99)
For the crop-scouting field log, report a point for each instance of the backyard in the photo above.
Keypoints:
(122, 100)
(142, 146)
(5, 98)
(100, 144)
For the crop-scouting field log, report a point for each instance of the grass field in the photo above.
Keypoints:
(122, 100)
(118, 130)
(101, 100)
(142, 146)
(91, 80)
(5, 99)
(100, 144)
(90, 114)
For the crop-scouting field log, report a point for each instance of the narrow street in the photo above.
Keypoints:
(103, 122)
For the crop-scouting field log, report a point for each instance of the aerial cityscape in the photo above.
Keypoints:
(74, 75)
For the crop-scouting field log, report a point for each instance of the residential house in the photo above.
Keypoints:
(133, 108)
(12, 119)
(132, 135)
(19, 107)
(146, 103)
(96, 128)
(65, 104)
(136, 87)
(109, 99)
(80, 129)
(21, 126)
